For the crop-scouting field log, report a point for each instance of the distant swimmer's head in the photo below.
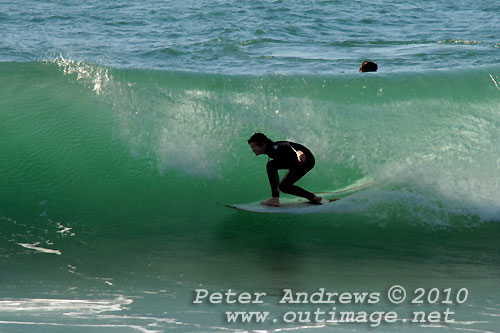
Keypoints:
(259, 143)
(368, 66)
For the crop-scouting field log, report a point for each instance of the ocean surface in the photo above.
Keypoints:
(124, 124)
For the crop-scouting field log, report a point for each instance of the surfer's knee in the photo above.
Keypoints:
(285, 188)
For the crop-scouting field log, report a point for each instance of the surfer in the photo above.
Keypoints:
(368, 66)
(284, 155)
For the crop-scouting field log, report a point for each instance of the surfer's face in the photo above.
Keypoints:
(257, 149)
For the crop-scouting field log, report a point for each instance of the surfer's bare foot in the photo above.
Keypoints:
(273, 201)
(316, 199)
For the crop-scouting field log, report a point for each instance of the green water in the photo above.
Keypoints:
(111, 178)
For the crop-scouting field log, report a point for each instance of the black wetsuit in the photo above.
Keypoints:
(284, 156)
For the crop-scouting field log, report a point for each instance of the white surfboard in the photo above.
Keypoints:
(292, 206)
(296, 205)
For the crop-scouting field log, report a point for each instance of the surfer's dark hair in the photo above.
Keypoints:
(368, 66)
(260, 139)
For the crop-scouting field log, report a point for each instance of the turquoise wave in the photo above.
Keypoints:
(93, 141)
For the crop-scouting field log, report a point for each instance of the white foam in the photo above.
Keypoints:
(39, 249)
(94, 76)
(68, 306)
(96, 326)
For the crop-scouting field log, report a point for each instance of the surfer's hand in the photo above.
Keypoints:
(300, 156)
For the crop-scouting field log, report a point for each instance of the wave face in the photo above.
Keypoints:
(73, 124)
(131, 163)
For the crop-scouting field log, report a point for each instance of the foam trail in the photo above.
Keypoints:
(39, 249)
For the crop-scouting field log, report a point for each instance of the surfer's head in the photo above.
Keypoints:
(368, 66)
(259, 143)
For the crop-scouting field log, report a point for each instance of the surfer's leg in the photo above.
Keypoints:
(291, 177)
(274, 178)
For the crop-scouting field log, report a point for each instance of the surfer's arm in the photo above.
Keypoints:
(287, 154)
